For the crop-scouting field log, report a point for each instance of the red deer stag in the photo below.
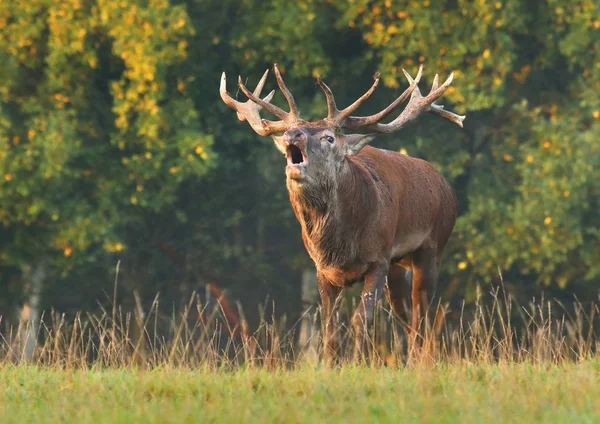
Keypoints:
(366, 214)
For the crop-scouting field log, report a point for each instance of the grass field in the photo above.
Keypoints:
(465, 393)
(501, 362)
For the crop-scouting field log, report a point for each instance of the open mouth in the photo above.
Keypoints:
(295, 156)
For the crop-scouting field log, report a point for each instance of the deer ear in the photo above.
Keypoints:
(355, 142)
(279, 143)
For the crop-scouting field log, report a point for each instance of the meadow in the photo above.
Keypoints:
(499, 362)
(469, 393)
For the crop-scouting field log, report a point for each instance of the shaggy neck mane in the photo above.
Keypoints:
(330, 212)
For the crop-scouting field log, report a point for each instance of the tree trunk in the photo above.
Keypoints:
(30, 313)
(309, 326)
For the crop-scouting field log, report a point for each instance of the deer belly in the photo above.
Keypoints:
(408, 244)
(343, 277)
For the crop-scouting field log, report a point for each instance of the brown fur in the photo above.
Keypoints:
(383, 198)
(378, 212)
(366, 214)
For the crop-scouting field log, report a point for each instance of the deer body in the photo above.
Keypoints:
(366, 214)
(385, 206)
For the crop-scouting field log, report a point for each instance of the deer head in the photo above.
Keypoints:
(318, 151)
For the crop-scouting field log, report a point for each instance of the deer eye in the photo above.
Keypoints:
(329, 139)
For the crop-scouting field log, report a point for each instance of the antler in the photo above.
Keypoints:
(250, 110)
(416, 105)
(336, 117)
(354, 122)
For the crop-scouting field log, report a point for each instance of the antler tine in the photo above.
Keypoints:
(410, 79)
(332, 110)
(227, 99)
(439, 109)
(258, 90)
(261, 84)
(446, 114)
(278, 112)
(436, 92)
(435, 83)
(250, 110)
(347, 111)
(355, 122)
(287, 94)
(417, 105)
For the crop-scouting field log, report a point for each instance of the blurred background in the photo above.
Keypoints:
(115, 144)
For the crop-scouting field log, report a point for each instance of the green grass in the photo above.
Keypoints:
(500, 362)
(461, 392)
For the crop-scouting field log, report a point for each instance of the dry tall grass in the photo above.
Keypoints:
(496, 329)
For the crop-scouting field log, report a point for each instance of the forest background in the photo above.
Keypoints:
(115, 145)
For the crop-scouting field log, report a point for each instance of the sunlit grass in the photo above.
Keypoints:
(494, 361)
(464, 392)
(494, 330)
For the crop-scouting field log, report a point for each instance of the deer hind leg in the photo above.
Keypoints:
(424, 282)
(397, 291)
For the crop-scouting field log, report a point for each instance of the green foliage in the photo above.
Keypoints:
(96, 122)
(475, 39)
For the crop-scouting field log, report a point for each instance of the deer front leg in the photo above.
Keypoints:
(330, 301)
(375, 279)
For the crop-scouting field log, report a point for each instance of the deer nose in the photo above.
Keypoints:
(294, 136)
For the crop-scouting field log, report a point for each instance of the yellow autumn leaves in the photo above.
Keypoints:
(463, 264)
(146, 39)
(200, 151)
(113, 247)
(529, 158)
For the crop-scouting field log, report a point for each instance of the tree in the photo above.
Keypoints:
(96, 125)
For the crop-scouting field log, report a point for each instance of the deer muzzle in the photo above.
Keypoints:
(295, 153)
